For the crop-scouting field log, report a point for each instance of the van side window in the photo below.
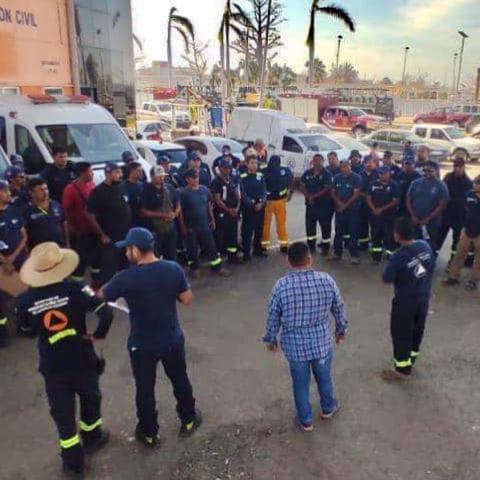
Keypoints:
(290, 145)
(421, 132)
(27, 148)
(3, 134)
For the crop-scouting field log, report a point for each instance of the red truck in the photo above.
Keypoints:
(447, 115)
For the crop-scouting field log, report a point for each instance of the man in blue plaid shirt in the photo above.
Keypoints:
(300, 305)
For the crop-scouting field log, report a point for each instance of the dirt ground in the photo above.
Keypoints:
(428, 429)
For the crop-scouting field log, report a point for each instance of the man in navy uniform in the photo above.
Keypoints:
(346, 192)
(254, 199)
(356, 162)
(316, 184)
(368, 175)
(226, 155)
(410, 269)
(389, 162)
(55, 309)
(59, 174)
(333, 163)
(15, 176)
(382, 199)
(405, 177)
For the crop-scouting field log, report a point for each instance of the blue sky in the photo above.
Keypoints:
(384, 28)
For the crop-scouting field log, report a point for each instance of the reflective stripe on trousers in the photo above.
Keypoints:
(69, 442)
(88, 428)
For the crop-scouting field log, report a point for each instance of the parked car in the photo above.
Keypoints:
(154, 130)
(349, 143)
(210, 147)
(151, 151)
(476, 131)
(450, 137)
(163, 111)
(445, 115)
(394, 140)
(31, 126)
(352, 119)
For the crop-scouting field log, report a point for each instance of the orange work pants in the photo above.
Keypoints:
(277, 208)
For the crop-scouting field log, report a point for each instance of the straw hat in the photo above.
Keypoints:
(48, 264)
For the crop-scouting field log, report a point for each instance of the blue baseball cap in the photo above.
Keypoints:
(387, 153)
(383, 170)
(137, 237)
(4, 185)
(12, 172)
(127, 156)
(111, 167)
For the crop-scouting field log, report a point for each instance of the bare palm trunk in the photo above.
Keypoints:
(222, 74)
(265, 54)
(311, 51)
(247, 60)
(169, 53)
(227, 57)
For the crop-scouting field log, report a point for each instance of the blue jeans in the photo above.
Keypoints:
(300, 372)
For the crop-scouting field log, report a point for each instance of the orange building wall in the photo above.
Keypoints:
(34, 49)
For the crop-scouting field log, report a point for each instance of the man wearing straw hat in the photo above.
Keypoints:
(55, 309)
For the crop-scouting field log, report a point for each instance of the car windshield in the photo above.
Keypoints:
(176, 155)
(455, 133)
(319, 143)
(93, 143)
(235, 147)
(356, 112)
(351, 143)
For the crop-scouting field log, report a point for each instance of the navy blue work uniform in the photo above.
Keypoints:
(195, 209)
(133, 195)
(404, 180)
(453, 216)
(364, 212)
(254, 192)
(204, 175)
(381, 226)
(164, 200)
(425, 195)
(347, 222)
(226, 232)
(358, 168)
(68, 361)
(11, 225)
(57, 179)
(410, 269)
(20, 199)
(231, 159)
(321, 211)
(45, 225)
(394, 171)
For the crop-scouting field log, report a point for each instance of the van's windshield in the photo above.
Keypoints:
(94, 143)
(319, 143)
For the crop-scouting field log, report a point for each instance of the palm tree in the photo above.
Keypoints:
(233, 19)
(185, 28)
(333, 11)
(319, 70)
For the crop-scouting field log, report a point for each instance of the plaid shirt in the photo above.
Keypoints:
(300, 305)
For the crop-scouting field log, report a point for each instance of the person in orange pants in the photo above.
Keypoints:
(279, 181)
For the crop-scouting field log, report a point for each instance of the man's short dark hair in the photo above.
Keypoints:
(57, 150)
(298, 253)
(191, 173)
(129, 167)
(404, 228)
(35, 182)
(82, 167)
(332, 154)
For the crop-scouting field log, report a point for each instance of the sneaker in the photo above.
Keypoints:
(355, 261)
(260, 254)
(471, 285)
(304, 427)
(327, 415)
(450, 282)
(394, 376)
(188, 429)
(222, 272)
(73, 472)
(102, 440)
(150, 442)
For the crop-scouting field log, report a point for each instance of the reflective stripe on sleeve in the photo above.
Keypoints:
(60, 335)
(70, 442)
(88, 428)
(77, 278)
(99, 307)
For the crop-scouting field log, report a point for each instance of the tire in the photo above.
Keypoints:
(461, 152)
(358, 132)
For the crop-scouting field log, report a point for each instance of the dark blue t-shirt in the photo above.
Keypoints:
(151, 292)
(11, 224)
(410, 270)
(425, 195)
(45, 226)
(383, 193)
(345, 185)
(195, 208)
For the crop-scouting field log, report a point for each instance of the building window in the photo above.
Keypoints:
(53, 91)
(9, 90)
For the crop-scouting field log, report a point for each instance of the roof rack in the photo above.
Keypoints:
(44, 99)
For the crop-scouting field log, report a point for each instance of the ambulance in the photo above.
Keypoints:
(31, 126)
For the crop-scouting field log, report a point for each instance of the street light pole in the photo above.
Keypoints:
(464, 36)
(455, 56)
(339, 38)
(405, 65)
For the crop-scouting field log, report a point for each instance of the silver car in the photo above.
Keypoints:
(394, 140)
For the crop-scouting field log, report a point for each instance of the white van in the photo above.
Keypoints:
(31, 126)
(284, 135)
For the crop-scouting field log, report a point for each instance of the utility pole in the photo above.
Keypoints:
(339, 42)
(477, 87)
(464, 36)
(455, 56)
(405, 65)
(247, 59)
(73, 47)
(263, 78)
